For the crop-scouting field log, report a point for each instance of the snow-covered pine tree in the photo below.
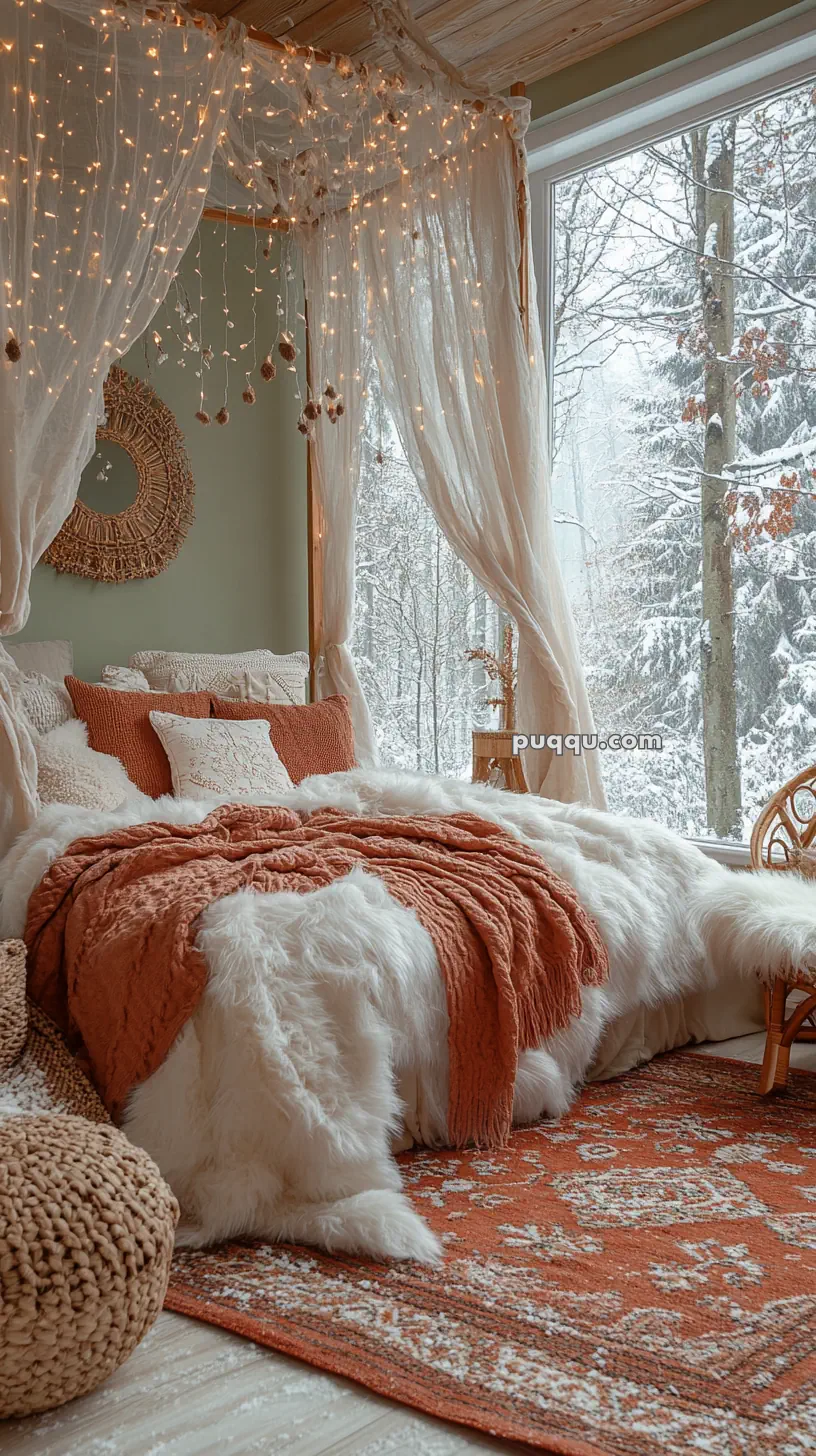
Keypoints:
(643, 643)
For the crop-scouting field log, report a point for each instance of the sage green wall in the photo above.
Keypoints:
(709, 25)
(240, 579)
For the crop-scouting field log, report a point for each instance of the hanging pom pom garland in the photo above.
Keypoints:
(313, 143)
(286, 347)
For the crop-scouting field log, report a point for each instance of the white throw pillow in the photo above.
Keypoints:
(54, 660)
(260, 676)
(69, 772)
(125, 680)
(211, 756)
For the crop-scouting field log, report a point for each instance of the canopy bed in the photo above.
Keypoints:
(300, 1033)
(403, 191)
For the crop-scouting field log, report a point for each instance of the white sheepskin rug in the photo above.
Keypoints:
(275, 1111)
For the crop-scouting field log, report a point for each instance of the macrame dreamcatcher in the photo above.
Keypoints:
(143, 539)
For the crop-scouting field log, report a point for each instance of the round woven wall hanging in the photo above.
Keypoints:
(144, 538)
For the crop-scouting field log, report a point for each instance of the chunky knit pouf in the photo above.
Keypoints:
(13, 1021)
(86, 1237)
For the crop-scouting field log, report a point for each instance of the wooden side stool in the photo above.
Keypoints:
(493, 755)
(781, 840)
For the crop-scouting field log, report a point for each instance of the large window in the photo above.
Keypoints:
(678, 282)
(683, 338)
(418, 614)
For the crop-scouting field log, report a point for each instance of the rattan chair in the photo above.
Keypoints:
(784, 839)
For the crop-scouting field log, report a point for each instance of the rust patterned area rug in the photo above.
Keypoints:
(638, 1279)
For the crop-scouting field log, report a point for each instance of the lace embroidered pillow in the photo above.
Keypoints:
(260, 676)
(209, 757)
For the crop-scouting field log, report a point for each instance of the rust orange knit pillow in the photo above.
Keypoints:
(119, 723)
(312, 738)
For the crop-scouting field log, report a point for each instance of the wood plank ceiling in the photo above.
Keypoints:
(495, 42)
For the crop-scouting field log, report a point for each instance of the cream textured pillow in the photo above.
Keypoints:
(125, 680)
(212, 756)
(69, 772)
(260, 676)
(44, 703)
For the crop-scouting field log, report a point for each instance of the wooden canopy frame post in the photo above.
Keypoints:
(314, 531)
(519, 89)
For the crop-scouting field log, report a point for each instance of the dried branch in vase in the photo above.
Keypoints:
(502, 670)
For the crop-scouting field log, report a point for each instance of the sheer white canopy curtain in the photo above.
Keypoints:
(117, 124)
(333, 283)
(423, 285)
(108, 122)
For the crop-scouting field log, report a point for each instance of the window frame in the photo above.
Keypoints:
(693, 92)
(714, 83)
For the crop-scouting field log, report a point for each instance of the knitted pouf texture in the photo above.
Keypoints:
(13, 1021)
(86, 1237)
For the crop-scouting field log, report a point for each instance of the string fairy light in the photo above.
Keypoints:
(203, 361)
(327, 153)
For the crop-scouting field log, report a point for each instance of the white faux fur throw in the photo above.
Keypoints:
(274, 1113)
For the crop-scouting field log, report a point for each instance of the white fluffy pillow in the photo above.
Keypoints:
(69, 772)
(214, 757)
(260, 676)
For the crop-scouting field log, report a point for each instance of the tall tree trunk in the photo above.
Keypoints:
(713, 151)
(580, 508)
(368, 592)
(435, 655)
(477, 672)
(418, 708)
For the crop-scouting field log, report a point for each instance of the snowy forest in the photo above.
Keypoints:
(417, 614)
(684, 438)
(685, 442)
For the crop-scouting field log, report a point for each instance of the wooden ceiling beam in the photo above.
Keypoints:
(588, 28)
(246, 219)
(494, 42)
(345, 27)
(273, 16)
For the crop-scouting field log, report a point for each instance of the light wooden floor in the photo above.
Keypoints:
(191, 1389)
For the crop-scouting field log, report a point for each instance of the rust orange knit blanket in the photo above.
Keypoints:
(111, 935)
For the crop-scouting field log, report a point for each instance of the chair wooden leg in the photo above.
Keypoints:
(774, 1072)
(780, 1080)
(518, 781)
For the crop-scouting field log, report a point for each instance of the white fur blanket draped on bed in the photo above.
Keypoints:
(275, 1111)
